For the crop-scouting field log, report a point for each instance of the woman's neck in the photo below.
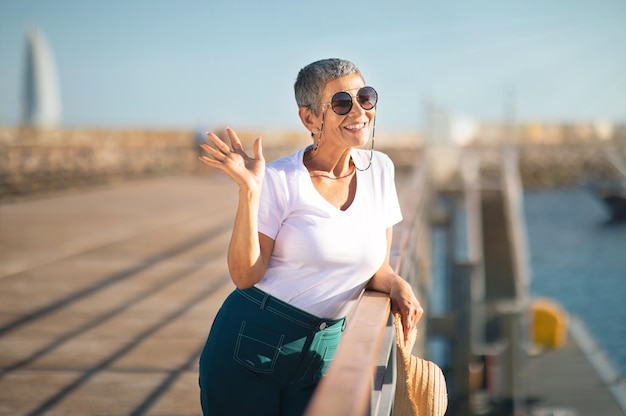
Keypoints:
(327, 164)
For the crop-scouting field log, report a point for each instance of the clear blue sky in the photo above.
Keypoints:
(188, 63)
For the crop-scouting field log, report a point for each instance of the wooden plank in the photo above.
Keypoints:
(346, 389)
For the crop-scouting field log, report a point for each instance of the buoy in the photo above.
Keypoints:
(548, 323)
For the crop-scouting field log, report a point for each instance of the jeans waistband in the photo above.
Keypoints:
(287, 311)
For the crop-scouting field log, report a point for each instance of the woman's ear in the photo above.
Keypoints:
(309, 120)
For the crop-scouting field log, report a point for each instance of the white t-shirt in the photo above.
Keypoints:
(323, 257)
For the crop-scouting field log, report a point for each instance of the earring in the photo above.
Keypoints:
(315, 131)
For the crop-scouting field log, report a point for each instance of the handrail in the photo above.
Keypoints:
(347, 388)
(345, 391)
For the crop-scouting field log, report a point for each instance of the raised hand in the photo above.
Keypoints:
(246, 171)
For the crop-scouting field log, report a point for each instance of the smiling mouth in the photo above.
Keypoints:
(355, 127)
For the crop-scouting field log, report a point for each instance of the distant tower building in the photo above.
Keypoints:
(41, 101)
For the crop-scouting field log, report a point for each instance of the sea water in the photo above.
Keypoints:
(578, 258)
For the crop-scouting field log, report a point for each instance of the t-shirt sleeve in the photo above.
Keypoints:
(271, 206)
(393, 213)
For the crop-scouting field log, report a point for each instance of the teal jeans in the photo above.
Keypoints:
(264, 357)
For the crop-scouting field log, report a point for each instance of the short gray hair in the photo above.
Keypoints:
(313, 77)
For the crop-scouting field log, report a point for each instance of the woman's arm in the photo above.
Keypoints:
(248, 251)
(403, 299)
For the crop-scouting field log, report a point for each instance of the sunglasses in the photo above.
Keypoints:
(341, 103)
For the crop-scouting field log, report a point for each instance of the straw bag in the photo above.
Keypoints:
(421, 386)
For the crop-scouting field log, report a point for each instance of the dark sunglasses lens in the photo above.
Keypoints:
(368, 97)
(341, 103)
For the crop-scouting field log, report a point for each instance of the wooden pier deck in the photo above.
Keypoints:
(107, 295)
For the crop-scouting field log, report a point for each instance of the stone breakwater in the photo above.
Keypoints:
(35, 161)
(566, 164)
(562, 165)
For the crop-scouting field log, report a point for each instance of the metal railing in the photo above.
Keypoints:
(488, 282)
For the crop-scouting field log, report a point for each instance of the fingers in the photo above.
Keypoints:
(405, 302)
(406, 325)
(235, 143)
(220, 151)
(213, 152)
(411, 314)
(233, 161)
(258, 149)
(218, 143)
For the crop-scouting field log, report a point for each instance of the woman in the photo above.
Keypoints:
(311, 231)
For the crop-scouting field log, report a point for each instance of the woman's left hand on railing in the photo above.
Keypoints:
(404, 301)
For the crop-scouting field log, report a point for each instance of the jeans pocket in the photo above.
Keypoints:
(257, 347)
(329, 354)
(327, 359)
(326, 353)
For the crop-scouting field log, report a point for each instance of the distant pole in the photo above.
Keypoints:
(509, 115)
